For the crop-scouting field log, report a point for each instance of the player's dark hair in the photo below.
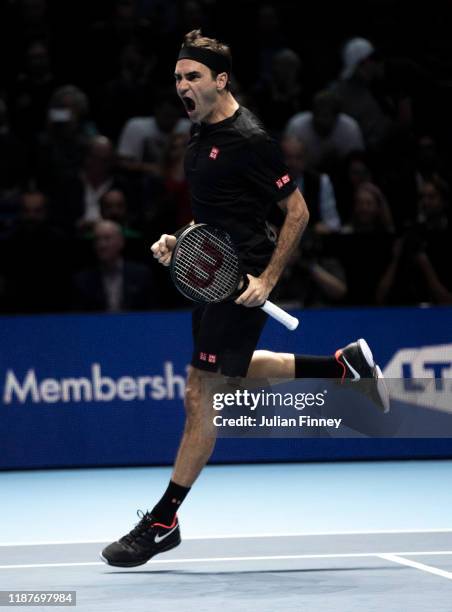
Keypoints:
(196, 39)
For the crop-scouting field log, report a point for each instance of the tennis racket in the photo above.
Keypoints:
(205, 268)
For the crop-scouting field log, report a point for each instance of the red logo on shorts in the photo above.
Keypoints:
(212, 359)
(203, 356)
(214, 153)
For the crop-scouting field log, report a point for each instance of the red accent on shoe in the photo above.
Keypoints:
(337, 354)
(173, 524)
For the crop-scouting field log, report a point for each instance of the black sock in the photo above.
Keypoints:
(168, 505)
(307, 366)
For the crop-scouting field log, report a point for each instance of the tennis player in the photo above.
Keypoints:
(236, 174)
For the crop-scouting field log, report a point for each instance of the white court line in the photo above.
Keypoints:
(226, 559)
(245, 536)
(420, 566)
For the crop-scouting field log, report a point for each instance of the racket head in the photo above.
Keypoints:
(205, 266)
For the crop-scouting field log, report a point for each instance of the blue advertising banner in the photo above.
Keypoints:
(106, 390)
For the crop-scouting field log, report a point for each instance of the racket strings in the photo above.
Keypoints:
(207, 266)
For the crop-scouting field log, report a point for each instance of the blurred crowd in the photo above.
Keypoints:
(92, 141)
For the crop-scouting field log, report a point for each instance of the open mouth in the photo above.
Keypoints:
(189, 104)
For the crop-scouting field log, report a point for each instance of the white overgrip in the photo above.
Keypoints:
(280, 315)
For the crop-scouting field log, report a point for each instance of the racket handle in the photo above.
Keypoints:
(280, 315)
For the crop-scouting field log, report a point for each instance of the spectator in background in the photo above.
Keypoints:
(113, 207)
(61, 148)
(328, 134)
(143, 139)
(269, 38)
(175, 183)
(361, 68)
(364, 247)
(312, 277)
(13, 166)
(96, 178)
(25, 22)
(114, 284)
(434, 205)
(316, 188)
(105, 40)
(37, 263)
(76, 201)
(419, 271)
(354, 171)
(371, 213)
(132, 91)
(32, 91)
(280, 95)
(429, 164)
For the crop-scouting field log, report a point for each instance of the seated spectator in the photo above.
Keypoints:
(419, 270)
(37, 261)
(113, 207)
(143, 139)
(316, 188)
(277, 98)
(312, 278)
(13, 170)
(61, 148)
(132, 90)
(434, 205)
(361, 68)
(354, 171)
(365, 244)
(76, 200)
(31, 92)
(114, 284)
(328, 134)
(96, 178)
(175, 183)
(371, 212)
(428, 160)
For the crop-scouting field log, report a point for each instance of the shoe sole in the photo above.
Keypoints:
(166, 549)
(382, 389)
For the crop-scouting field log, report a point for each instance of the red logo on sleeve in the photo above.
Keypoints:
(282, 181)
(203, 356)
(212, 358)
(214, 153)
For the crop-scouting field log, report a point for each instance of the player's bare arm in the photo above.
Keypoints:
(297, 216)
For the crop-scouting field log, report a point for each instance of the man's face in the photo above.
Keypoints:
(324, 119)
(108, 242)
(34, 210)
(114, 206)
(197, 89)
(430, 200)
(294, 158)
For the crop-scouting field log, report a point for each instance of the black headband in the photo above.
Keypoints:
(215, 61)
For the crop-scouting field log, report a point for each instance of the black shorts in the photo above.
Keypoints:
(225, 336)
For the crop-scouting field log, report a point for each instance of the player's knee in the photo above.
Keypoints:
(193, 393)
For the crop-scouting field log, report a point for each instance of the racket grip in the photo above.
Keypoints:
(280, 315)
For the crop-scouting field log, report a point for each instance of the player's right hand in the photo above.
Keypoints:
(163, 248)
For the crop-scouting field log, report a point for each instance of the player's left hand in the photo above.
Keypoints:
(256, 293)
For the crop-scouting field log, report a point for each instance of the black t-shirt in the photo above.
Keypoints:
(236, 174)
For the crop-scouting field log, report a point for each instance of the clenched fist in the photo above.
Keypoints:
(163, 248)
